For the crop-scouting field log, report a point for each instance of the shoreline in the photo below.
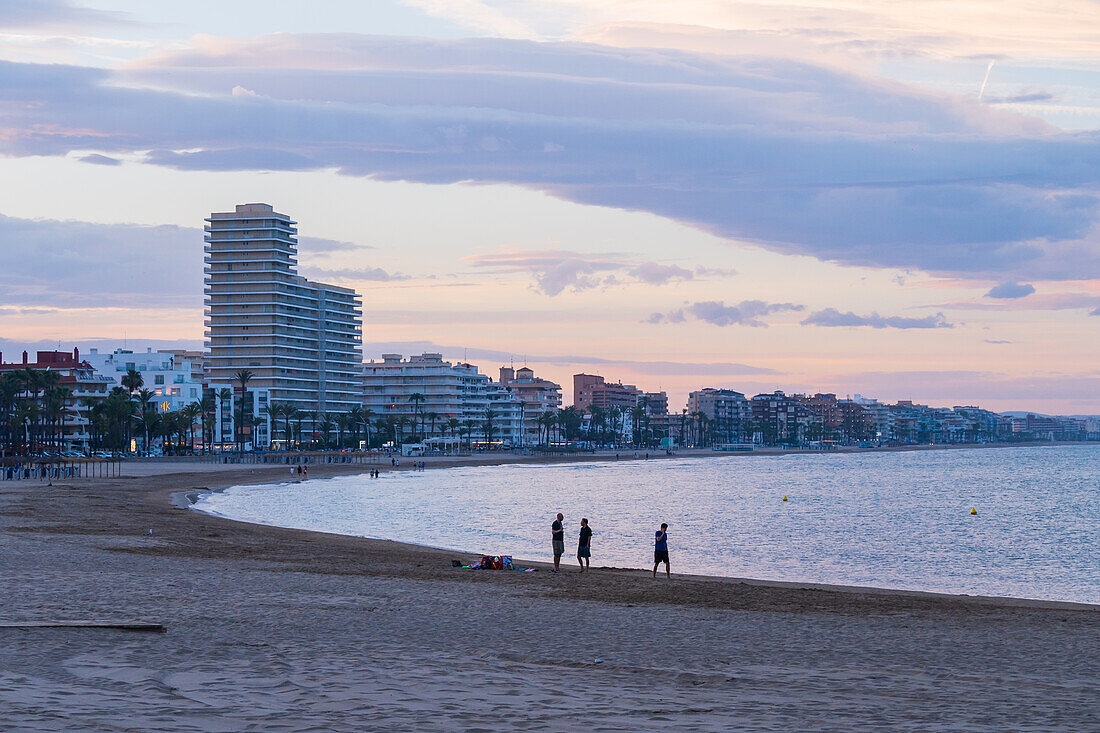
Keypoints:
(188, 499)
(278, 629)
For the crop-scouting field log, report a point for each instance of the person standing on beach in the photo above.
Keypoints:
(660, 550)
(584, 546)
(557, 537)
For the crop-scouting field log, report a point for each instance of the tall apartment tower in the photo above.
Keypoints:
(302, 340)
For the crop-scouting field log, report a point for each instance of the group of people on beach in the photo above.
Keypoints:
(584, 545)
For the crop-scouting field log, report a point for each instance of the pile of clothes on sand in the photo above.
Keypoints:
(492, 562)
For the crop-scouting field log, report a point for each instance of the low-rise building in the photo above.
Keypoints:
(428, 393)
(64, 420)
(171, 376)
(591, 390)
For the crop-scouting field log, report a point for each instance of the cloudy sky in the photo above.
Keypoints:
(895, 199)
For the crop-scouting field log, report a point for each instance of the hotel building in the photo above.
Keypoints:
(302, 340)
(170, 376)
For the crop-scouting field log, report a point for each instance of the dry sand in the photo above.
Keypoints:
(272, 629)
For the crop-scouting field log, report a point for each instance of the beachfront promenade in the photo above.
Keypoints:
(275, 629)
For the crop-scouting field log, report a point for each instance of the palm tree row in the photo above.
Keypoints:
(34, 406)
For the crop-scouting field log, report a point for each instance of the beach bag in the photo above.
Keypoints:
(506, 562)
(486, 563)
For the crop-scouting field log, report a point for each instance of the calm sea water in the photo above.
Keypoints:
(898, 520)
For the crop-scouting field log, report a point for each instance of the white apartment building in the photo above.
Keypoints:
(169, 375)
(302, 340)
(538, 396)
(258, 431)
(450, 391)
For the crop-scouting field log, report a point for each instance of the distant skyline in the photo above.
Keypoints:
(822, 196)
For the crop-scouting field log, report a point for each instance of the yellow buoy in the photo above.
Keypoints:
(784, 498)
(973, 510)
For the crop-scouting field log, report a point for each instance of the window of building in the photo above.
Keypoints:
(158, 379)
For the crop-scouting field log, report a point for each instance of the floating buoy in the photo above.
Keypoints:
(784, 498)
(973, 510)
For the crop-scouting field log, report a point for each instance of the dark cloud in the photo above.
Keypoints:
(795, 157)
(831, 317)
(1010, 290)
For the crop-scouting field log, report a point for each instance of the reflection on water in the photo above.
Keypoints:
(899, 520)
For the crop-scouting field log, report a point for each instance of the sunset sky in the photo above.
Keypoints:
(814, 196)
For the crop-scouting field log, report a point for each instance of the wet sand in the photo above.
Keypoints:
(276, 629)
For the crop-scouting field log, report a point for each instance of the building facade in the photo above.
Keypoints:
(67, 419)
(430, 393)
(170, 376)
(725, 409)
(539, 396)
(302, 340)
(591, 390)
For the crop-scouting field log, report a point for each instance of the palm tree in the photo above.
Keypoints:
(467, 429)
(207, 406)
(290, 413)
(243, 377)
(452, 426)
(431, 418)
(225, 397)
(489, 415)
(368, 416)
(355, 421)
(324, 422)
(417, 399)
(342, 421)
(149, 421)
(272, 412)
(133, 381)
(190, 412)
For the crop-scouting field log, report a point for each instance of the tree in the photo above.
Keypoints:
(488, 424)
(132, 381)
(225, 397)
(190, 412)
(417, 399)
(355, 421)
(341, 421)
(431, 417)
(273, 412)
(242, 377)
(207, 406)
(467, 430)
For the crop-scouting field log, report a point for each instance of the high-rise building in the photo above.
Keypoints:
(302, 340)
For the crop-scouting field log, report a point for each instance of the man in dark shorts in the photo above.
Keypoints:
(557, 536)
(584, 546)
(660, 550)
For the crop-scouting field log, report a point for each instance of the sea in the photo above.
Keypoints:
(899, 519)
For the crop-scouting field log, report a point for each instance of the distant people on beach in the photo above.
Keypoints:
(660, 550)
(584, 546)
(557, 540)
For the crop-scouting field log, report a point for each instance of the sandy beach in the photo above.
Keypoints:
(273, 629)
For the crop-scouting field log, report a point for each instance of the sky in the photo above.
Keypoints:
(900, 200)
